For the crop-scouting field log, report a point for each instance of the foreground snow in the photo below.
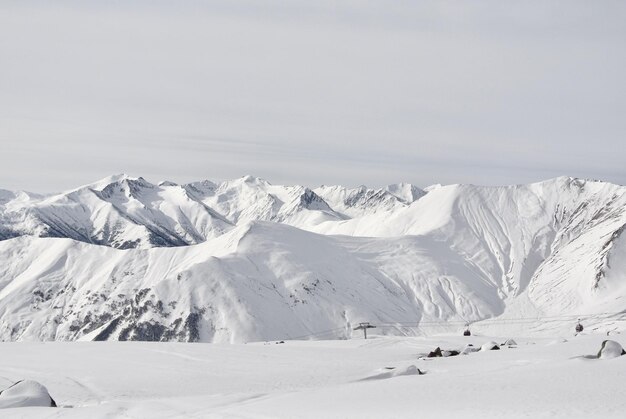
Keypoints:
(353, 378)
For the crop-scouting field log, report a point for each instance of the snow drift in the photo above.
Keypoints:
(26, 393)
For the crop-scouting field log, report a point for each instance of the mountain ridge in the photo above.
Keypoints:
(246, 260)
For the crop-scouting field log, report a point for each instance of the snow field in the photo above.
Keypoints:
(544, 377)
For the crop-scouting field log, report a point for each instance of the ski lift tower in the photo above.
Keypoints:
(364, 327)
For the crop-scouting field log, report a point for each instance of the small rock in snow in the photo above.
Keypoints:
(469, 348)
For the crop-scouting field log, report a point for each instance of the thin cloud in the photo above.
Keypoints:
(348, 92)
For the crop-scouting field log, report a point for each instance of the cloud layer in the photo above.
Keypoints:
(332, 92)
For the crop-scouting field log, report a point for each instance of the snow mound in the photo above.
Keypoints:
(468, 349)
(26, 393)
(396, 372)
(611, 349)
(490, 346)
(509, 342)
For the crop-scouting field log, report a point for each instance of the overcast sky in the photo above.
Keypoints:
(312, 92)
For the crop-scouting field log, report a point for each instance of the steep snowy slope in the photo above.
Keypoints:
(513, 234)
(206, 270)
(260, 281)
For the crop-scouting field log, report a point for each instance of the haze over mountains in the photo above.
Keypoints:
(246, 260)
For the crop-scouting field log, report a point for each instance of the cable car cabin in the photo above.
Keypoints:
(579, 328)
(467, 333)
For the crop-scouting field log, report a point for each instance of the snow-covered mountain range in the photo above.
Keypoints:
(246, 260)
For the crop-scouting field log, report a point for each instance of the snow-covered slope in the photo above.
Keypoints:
(259, 281)
(342, 379)
(561, 228)
(246, 260)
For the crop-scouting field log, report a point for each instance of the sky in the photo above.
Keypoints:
(300, 92)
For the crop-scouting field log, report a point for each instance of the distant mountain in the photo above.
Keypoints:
(245, 260)
(357, 202)
(125, 212)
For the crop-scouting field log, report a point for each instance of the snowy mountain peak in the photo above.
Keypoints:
(312, 201)
(253, 180)
(406, 192)
(359, 201)
(104, 182)
(129, 187)
(223, 261)
(201, 188)
(167, 183)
